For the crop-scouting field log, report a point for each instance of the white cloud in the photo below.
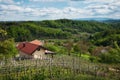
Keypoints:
(9, 2)
(103, 7)
(47, 0)
(98, 1)
(10, 8)
(100, 9)
(52, 13)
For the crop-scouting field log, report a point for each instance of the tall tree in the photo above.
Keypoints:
(7, 46)
(81, 47)
(69, 46)
(3, 34)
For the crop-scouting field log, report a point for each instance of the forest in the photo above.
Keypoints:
(53, 29)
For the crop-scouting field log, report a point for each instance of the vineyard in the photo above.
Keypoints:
(57, 68)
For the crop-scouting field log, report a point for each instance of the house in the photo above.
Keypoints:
(33, 50)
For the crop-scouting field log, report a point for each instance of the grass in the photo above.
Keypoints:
(85, 56)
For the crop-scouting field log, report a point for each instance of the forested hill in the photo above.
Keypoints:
(63, 28)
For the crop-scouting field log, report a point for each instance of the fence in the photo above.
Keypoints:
(58, 68)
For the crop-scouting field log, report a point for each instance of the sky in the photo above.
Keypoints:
(36, 10)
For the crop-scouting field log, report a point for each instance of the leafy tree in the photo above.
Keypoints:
(69, 46)
(113, 56)
(77, 48)
(52, 47)
(7, 46)
(3, 34)
(81, 47)
(106, 38)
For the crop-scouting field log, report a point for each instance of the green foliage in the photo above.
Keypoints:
(3, 34)
(39, 76)
(112, 56)
(94, 59)
(91, 49)
(7, 48)
(81, 47)
(77, 48)
(106, 38)
(19, 33)
(68, 45)
(53, 29)
(52, 47)
(116, 46)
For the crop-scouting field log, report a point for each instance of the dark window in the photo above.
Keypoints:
(38, 49)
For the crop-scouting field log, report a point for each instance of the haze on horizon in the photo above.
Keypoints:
(24, 10)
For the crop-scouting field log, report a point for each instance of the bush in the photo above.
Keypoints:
(94, 59)
(112, 56)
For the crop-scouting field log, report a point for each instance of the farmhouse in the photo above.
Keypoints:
(33, 50)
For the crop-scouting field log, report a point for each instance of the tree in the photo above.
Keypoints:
(3, 34)
(52, 47)
(69, 45)
(77, 49)
(113, 56)
(81, 47)
(7, 46)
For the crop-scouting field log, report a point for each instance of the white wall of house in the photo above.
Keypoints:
(39, 54)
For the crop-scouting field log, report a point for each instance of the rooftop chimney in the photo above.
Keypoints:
(23, 44)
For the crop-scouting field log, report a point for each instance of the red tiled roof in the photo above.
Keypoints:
(27, 47)
(37, 42)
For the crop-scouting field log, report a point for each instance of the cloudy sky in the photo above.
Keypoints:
(23, 10)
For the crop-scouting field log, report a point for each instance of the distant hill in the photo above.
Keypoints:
(113, 21)
(60, 29)
(99, 19)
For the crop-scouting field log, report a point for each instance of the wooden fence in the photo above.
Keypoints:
(59, 68)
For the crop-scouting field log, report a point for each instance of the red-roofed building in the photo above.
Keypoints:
(33, 49)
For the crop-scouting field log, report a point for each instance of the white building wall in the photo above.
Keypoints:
(39, 54)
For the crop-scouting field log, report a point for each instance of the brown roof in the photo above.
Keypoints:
(36, 42)
(27, 47)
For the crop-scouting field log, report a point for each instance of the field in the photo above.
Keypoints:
(61, 67)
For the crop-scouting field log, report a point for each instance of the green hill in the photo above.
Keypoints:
(53, 29)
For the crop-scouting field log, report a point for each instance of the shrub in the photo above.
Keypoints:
(112, 56)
